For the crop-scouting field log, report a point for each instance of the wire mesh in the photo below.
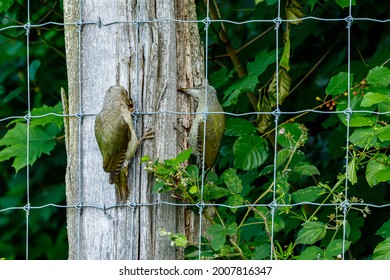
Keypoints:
(276, 113)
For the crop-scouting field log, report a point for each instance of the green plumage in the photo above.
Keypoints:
(215, 125)
(116, 138)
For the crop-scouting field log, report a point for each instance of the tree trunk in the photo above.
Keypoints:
(145, 59)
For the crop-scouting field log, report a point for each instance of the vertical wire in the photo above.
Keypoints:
(28, 118)
(133, 208)
(79, 114)
(276, 115)
(205, 112)
(348, 115)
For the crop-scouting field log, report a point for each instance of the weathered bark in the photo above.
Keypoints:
(146, 63)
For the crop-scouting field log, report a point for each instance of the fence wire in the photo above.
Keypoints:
(276, 113)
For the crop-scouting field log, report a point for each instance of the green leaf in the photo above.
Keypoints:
(338, 84)
(305, 169)
(335, 247)
(345, 3)
(5, 5)
(231, 229)
(311, 253)
(232, 98)
(358, 120)
(41, 141)
(379, 76)
(364, 137)
(232, 181)
(261, 252)
(384, 133)
(384, 230)
(239, 127)
(290, 134)
(34, 65)
(16, 92)
(248, 83)
(250, 152)
(311, 232)
(351, 171)
(221, 77)
(374, 167)
(382, 251)
(218, 234)
(383, 175)
(373, 98)
(234, 200)
(308, 194)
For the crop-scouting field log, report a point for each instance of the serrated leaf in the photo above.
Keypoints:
(41, 141)
(250, 152)
(239, 127)
(382, 251)
(282, 156)
(311, 253)
(338, 84)
(221, 77)
(379, 76)
(232, 181)
(311, 233)
(335, 247)
(384, 230)
(308, 194)
(247, 83)
(373, 98)
(232, 98)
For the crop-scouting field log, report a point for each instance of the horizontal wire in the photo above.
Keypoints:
(156, 203)
(206, 20)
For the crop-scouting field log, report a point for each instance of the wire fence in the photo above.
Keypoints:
(276, 113)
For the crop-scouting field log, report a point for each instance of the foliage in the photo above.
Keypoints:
(306, 178)
(47, 74)
(301, 173)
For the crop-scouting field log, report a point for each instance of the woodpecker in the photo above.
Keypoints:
(116, 137)
(215, 125)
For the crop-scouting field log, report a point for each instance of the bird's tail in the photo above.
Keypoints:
(119, 178)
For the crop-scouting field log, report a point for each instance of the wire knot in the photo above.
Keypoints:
(273, 205)
(132, 205)
(200, 205)
(27, 208)
(27, 27)
(278, 21)
(78, 205)
(28, 118)
(79, 24)
(79, 114)
(345, 205)
(349, 20)
(206, 21)
(276, 114)
(348, 112)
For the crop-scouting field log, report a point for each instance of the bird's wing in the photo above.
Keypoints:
(215, 129)
(112, 141)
